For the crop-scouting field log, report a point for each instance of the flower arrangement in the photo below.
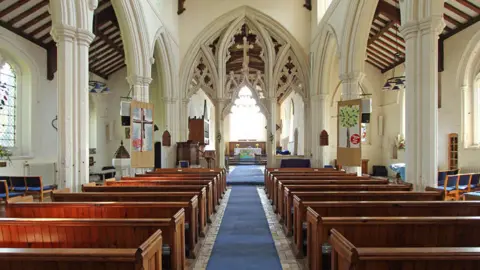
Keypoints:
(5, 154)
(400, 142)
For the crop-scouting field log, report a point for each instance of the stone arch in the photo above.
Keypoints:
(263, 109)
(162, 53)
(207, 76)
(468, 69)
(327, 50)
(135, 38)
(355, 36)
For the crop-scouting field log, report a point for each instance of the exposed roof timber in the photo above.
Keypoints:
(34, 21)
(181, 6)
(115, 70)
(27, 12)
(460, 27)
(450, 20)
(457, 11)
(469, 5)
(388, 11)
(13, 7)
(380, 33)
(389, 56)
(374, 62)
(104, 16)
(21, 33)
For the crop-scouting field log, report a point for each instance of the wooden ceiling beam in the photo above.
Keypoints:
(389, 56)
(28, 12)
(115, 70)
(457, 11)
(105, 59)
(40, 29)
(460, 28)
(380, 33)
(12, 7)
(21, 33)
(34, 21)
(388, 11)
(451, 20)
(110, 42)
(373, 63)
(469, 5)
(108, 70)
(378, 59)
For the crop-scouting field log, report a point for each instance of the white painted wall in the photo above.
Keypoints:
(32, 60)
(199, 14)
(450, 113)
(287, 138)
(196, 109)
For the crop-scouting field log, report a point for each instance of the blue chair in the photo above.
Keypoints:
(31, 185)
(474, 183)
(441, 178)
(464, 183)
(450, 187)
(329, 167)
(5, 193)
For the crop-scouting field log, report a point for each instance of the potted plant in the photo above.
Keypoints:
(5, 154)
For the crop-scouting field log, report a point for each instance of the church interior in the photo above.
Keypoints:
(246, 134)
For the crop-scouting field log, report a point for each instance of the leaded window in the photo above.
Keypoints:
(8, 94)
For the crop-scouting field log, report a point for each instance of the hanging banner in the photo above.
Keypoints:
(349, 135)
(141, 137)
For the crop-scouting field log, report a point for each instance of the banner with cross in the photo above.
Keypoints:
(142, 137)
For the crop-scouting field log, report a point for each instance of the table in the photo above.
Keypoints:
(247, 152)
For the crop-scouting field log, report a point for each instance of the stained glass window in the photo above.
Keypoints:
(8, 94)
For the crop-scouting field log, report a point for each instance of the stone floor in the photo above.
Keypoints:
(282, 243)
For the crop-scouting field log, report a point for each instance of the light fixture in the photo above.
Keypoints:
(96, 87)
(395, 83)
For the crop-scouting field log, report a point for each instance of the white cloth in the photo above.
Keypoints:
(256, 151)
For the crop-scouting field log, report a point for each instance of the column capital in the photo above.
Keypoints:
(92, 4)
(62, 32)
(221, 101)
(319, 97)
(434, 24)
(409, 29)
(139, 80)
(465, 88)
(85, 37)
(352, 77)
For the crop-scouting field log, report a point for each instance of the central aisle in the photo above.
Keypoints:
(244, 240)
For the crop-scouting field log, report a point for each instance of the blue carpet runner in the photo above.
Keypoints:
(244, 240)
(246, 175)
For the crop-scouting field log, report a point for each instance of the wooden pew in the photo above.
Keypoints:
(84, 233)
(113, 210)
(62, 196)
(276, 179)
(305, 175)
(205, 199)
(390, 232)
(378, 208)
(287, 203)
(279, 184)
(346, 256)
(219, 178)
(147, 256)
(298, 217)
(199, 171)
(269, 172)
(211, 186)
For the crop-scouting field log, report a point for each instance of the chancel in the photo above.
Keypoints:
(272, 134)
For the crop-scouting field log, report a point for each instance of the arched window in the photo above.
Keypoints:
(476, 110)
(8, 95)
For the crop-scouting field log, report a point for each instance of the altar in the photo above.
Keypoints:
(247, 153)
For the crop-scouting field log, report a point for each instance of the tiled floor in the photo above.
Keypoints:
(282, 243)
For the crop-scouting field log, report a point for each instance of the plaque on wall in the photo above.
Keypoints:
(166, 138)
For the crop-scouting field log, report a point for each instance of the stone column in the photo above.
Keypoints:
(271, 143)
(183, 120)
(421, 99)
(64, 37)
(320, 120)
(351, 90)
(82, 154)
(219, 136)
(172, 125)
(140, 87)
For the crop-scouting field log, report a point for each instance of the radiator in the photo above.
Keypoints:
(48, 171)
(470, 170)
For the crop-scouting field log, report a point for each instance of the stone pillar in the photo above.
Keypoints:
(172, 125)
(320, 120)
(64, 37)
(271, 143)
(351, 90)
(82, 123)
(184, 120)
(219, 136)
(140, 87)
(421, 99)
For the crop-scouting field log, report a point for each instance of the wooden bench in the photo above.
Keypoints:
(84, 233)
(286, 204)
(63, 196)
(345, 256)
(216, 183)
(378, 208)
(205, 203)
(198, 171)
(390, 232)
(275, 181)
(269, 172)
(114, 210)
(147, 256)
(278, 193)
(209, 184)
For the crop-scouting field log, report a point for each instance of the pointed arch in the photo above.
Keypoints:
(263, 109)
(203, 75)
(161, 51)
